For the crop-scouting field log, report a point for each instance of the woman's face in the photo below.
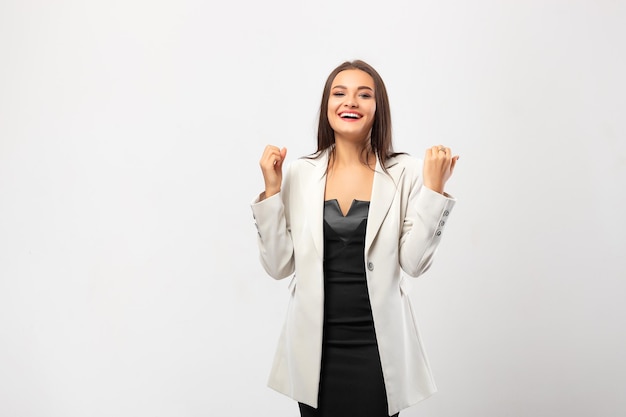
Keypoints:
(352, 105)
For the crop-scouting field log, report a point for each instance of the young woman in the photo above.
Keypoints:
(349, 222)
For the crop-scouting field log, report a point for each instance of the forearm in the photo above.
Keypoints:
(423, 226)
(274, 237)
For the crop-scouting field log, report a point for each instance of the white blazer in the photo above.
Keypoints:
(404, 228)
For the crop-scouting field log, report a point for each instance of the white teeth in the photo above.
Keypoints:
(351, 115)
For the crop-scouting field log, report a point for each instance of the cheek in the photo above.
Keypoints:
(331, 118)
(333, 103)
(332, 109)
(372, 114)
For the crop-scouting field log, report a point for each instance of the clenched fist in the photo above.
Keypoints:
(438, 167)
(272, 167)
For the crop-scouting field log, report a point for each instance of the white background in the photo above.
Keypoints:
(130, 133)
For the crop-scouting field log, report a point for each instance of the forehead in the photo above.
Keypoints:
(354, 77)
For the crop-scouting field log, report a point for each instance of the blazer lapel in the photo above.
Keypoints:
(383, 192)
(315, 186)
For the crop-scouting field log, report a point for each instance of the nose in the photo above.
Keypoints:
(350, 102)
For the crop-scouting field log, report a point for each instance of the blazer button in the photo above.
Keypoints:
(370, 266)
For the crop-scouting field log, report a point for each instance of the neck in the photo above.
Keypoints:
(347, 153)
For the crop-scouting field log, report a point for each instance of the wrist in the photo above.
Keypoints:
(438, 188)
(270, 192)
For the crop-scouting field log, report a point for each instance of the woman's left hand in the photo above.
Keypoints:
(438, 167)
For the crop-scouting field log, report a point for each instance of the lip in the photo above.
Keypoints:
(360, 115)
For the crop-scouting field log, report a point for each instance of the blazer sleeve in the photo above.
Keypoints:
(427, 213)
(274, 233)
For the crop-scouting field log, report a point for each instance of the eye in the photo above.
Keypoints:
(365, 95)
(338, 93)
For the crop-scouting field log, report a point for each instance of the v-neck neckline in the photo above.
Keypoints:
(335, 202)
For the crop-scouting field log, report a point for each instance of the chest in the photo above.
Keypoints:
(345, 186)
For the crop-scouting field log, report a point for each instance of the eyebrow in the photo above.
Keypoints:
(362, 87)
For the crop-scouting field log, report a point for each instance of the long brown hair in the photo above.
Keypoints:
(380, 140)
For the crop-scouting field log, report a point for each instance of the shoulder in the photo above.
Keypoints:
(407, 162)
(307, 162)
(302, 170)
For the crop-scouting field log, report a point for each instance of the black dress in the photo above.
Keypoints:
(351, 379)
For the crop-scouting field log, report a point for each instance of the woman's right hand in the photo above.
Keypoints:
(272, 167)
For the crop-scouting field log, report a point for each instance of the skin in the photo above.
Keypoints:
(350, 175)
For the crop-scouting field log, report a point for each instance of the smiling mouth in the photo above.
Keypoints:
(351, 116)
